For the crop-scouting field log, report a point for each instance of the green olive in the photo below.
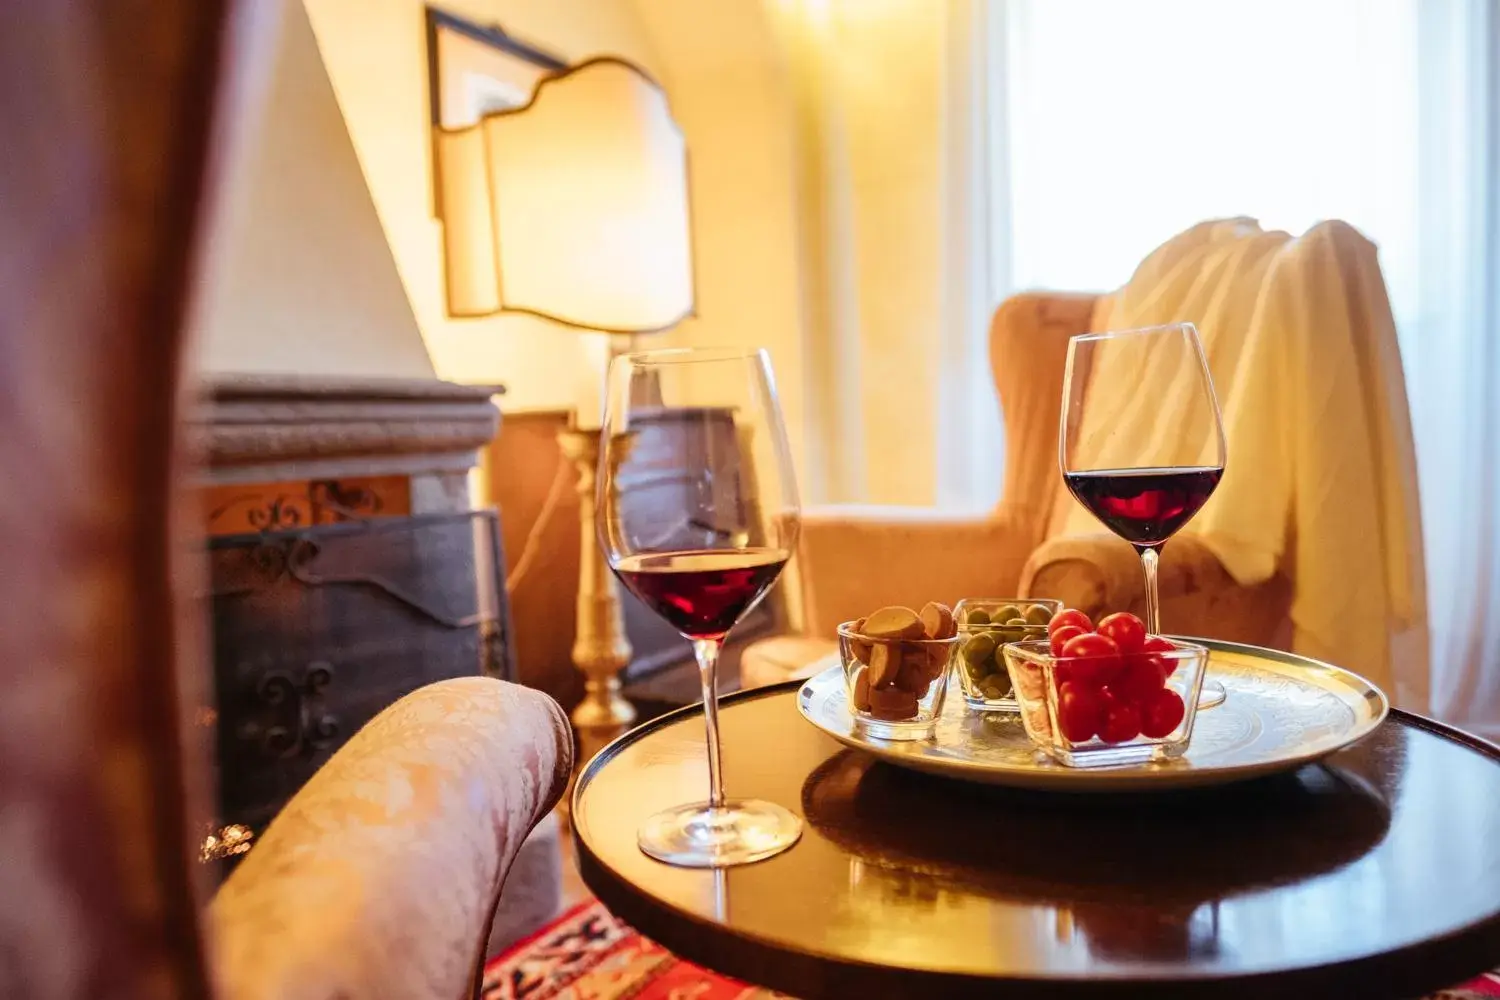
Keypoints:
(977, 616)
(1005, 612)
(1038, 614)
(1014, 622)
(995, 688)
(999, 636)
(977, 671)
(979, 648)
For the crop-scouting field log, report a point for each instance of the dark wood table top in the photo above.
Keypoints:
(1376, 874)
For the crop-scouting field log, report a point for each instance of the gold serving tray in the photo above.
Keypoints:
(1282, 711)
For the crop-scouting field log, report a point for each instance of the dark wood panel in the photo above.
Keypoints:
(520, 465)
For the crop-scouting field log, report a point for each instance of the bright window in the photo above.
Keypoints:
(1130, 121)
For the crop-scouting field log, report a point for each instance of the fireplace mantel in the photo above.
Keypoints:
(272, 428)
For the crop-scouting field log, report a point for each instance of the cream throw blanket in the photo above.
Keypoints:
(1321, 478)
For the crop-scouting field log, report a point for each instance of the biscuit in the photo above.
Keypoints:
(894, 622)
(937, 621)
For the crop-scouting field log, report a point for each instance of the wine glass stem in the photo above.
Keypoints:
(707, 652)
(1149, 559)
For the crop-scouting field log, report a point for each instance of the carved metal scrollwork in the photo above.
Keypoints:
(319, 729)
(294, 719)
(277, 515)
(345, 501)
(280, 513)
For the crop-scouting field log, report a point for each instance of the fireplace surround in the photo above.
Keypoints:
(346, 567)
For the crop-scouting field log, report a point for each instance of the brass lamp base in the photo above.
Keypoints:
(600, 650)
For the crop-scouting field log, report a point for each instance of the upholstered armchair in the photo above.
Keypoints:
(923, 554)
(381, 876)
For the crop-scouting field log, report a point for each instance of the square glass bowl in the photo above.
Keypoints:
(1037, 676)
(896, 686)
(985, 625)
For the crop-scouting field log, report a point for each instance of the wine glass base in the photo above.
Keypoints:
(1212, 695)
(737, 833)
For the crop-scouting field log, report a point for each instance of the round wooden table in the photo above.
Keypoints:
(1376, 874)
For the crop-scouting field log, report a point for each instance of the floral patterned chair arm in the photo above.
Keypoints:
(380, 878)
(1100, 573)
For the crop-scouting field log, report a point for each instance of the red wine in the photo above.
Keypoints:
(701, 593)
(1144, 506)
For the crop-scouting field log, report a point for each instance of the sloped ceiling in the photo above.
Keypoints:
(298, 275)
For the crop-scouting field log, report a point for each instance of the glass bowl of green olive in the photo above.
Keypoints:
(985, 626)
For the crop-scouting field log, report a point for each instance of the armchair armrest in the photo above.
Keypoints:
(853, 559)
(1101, 573)
(1097, 573)
(381, 876)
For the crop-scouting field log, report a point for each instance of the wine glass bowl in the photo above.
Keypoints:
(702, 593)
(1144, 506)
(697, 514)
(1141, 440)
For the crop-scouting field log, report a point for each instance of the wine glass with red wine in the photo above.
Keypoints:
(1141, 442)
(697, 515)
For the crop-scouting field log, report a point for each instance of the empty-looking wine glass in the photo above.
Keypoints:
(697, 515)
(1141, 442)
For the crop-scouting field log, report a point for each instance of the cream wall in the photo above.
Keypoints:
(886, 94)
(723, 72)
(814, 170)
(719, 65)
(819, 131)
(297, 276)
(376, 54)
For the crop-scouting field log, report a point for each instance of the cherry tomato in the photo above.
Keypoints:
(1128, 631)
(1061, 636)
(1069, 616)
(1163, 713)
(1156, 644)
(1080, 712)
(1141, 676)
(1093, 659)
(1122, 722)
(1062, 673)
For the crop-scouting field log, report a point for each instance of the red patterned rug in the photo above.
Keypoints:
(587, 954)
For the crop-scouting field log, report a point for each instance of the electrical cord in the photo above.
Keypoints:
(539, 526)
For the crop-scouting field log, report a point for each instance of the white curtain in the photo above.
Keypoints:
(1450, 323)
(1115, 124)
(893, 179)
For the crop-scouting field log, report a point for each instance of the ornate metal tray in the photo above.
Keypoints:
(1282, 711)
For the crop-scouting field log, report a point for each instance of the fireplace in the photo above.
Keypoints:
(318, 629)
(347, 568)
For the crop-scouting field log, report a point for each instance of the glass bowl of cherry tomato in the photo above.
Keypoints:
(1108, 696)
(985, 626)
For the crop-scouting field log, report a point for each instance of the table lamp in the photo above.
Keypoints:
(574, 208)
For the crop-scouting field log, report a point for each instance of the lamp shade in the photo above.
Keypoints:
(573, 207)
